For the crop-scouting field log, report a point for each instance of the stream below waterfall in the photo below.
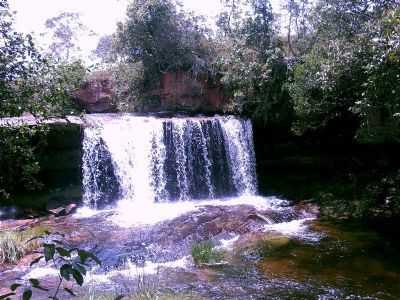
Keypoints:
(154, 187)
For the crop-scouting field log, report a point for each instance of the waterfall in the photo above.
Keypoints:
(149, 159)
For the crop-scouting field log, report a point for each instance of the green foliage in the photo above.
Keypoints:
(63, 258)
(163, 39)
(342, 64)
(205, 253)
(19, 166)
(351, 68)
(19, 60)
(28, 81)
(254, 70)
(57, 86)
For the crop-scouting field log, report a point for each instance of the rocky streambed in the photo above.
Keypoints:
(268, 250)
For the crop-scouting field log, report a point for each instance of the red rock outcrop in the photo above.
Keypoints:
(182, 91)
(177, 91)
(96, 94)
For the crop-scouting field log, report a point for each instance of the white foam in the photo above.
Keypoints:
(132, 270)
(295, 228)
(87, 212)
(130, 213)
(227, 244)
(41, 272)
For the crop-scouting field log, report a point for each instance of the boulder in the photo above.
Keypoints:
(96, 94)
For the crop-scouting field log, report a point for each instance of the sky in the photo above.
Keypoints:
(100, 16)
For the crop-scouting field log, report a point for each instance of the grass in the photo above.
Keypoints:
(143, 287)
(205, 253)
(14, 245)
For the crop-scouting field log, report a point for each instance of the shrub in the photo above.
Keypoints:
(72, 263)
(205, 253)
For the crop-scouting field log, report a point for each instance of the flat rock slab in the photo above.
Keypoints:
(30, 120)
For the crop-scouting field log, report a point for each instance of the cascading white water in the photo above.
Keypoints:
(149, 159)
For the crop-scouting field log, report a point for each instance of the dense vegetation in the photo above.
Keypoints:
(338, 63)
(35, 83)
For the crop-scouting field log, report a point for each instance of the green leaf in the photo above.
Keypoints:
(77, 276)
(49, 251)
(27, 295)
(65, 271)
(34, 282)
(36, 260)
(69, 291)
(14, 286)
(84, 255)
(63, 252)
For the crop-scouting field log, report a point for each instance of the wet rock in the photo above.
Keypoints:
(13, 224)
(63, 211)
(27, 260)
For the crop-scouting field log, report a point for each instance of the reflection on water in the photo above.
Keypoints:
(349, 258)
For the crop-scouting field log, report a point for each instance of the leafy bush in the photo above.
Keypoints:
(71, 262)
(205, 253)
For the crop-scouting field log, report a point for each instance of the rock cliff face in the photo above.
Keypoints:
(183, 92)
(177, 91)
(96, 94)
